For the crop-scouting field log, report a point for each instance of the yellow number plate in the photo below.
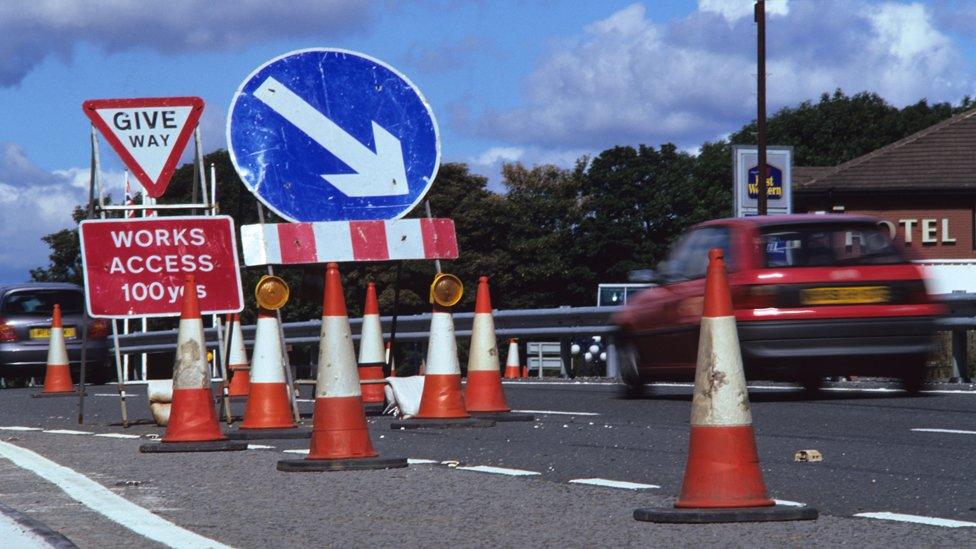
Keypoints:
(850, 295)
(45, 333)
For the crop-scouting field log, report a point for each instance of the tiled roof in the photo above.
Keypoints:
(940, 157)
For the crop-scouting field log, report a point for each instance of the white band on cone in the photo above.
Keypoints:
(721, 397)
(483, 356)
(442, 358)
(267, 366)
(238, 354)
(338, 374)
(371, 341)
(57, 355)
(513, 356)
(191, 370)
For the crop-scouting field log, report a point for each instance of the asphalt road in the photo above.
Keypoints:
(873, 462)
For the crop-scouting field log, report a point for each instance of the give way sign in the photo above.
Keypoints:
(137, 267)
(149, 134)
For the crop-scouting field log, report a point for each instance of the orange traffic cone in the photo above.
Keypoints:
(442, 402)
(723, 482)
(371, 355)
(268, 413)
(483, 392)
(57, 375)
(340, 439)
(512, 368)
(237, 361)
(193, 425)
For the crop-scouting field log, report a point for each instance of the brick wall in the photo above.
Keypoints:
(952, 212)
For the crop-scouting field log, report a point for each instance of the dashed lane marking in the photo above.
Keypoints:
(556, 413)
(116, 435)
(67, 432)
(259, 447)
(949, 431)
(613, 483)
(918, 519)
(19, 428)
(303, 452)
(498, 470)
(417, 461)
(789, 503)
(105, 502)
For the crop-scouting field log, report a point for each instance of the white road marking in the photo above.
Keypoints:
(259, 447)
(917, 519)
(304, 400)
(499, 470)
(105, 502)
(613, 483)
(116, 435)
(303, 452)
(413, 461)
(19, 428)
(556, 413)
(950, 431)
(789, 503)
(67, 432)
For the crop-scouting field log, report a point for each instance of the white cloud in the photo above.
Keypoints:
(32, 30)
(628, 79)
(733, 10)
(35, 203)
(500, 154)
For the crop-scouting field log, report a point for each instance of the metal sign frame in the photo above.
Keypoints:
(744, 157)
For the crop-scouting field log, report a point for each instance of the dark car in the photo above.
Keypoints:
(814, 296)
(25, 326)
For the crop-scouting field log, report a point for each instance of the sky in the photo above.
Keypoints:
(542, 81)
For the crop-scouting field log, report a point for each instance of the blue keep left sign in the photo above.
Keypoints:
(333, 135)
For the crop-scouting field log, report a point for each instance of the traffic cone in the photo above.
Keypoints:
(268, 413)
(442, 402)
(193, 425)
(483, 392)
(340, 439)
(57, 375)
(512, 368)
(371, 354)
(237, 361)
(723, 481)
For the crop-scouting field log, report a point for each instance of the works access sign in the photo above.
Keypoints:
(149, 134)
(137, 267)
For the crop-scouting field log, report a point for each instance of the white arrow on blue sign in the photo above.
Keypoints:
(333, 135)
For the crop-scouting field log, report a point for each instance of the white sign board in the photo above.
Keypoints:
(779, 180)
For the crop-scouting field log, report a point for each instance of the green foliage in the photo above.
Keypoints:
(554, 234)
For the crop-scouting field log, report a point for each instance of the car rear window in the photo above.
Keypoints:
(827, 244)
(41, 302)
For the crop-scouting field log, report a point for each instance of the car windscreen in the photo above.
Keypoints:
(41, 302)
(828, 244)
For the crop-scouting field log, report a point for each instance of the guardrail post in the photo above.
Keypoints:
(960, 356)
(613, 367)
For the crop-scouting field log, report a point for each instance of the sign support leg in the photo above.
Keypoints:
(84, 322)
(222, 361)
(120, 385)
(393, 321)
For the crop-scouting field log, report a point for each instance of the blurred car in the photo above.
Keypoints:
(814, 296)
(25, 327)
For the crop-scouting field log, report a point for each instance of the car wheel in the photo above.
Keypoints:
(631, 382)
(913, 379)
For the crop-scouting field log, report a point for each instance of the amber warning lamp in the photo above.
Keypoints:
(271, 292)
(446, 290)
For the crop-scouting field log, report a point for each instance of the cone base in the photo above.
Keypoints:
(483, 392)
(442, 398)
(268, 407)
(174, 447)
(64, 394)
(320, 465)
(262, 434)
(706, 516)
(372, 393)
(418, 423)
(513, 372)
(723, 470)
(503, 416)
(192, 417)
(339, 430)
(240, 383)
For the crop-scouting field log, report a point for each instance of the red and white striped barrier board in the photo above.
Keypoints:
(338, 241)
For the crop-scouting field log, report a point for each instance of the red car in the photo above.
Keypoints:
(814, 296)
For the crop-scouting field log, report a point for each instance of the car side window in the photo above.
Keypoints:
(688, 260)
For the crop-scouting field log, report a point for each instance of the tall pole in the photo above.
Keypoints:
(760, 16)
